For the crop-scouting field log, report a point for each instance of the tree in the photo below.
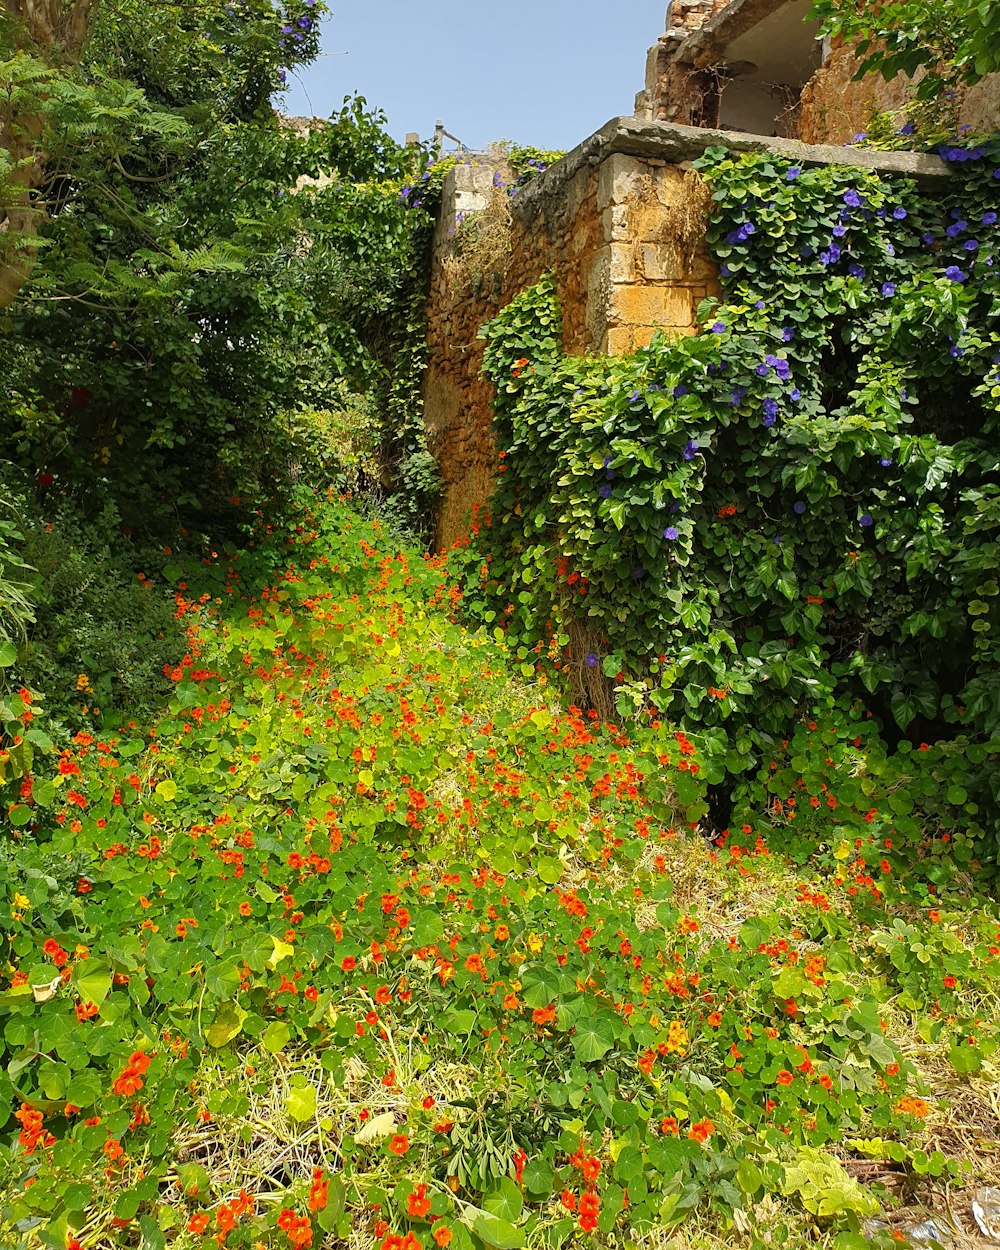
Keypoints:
(952, 41)
(203, 268)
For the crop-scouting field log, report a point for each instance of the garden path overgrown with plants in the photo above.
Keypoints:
(370, 940)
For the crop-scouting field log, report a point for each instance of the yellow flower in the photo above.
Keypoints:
(22, 902)
(535, 943)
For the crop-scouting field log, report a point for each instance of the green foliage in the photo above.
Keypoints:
(952, 41)
(16, 608)
(363, 888)
(786, 515)
(103, 628)
(205, 268)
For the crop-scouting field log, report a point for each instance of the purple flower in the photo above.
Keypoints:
(989, 219)
(888, 288)
(769, 420)
(899, 213)
(795, 395)
(851, 197)
(970, 245)
(305, 23)
(690, 449)
(787, 334)
(783, 370)
(865, 520)
(770, 408)
(928, 238)
(605, 491)
(956, 228)
(955, 274)
(793, 173)
(680, 390)
(908, 129)
(591, 660)
(719, 327)
(839, 231)
(856, 270)
(762, 371)
(671, 533)
(885, 462)
(737, 396)
(798, 507)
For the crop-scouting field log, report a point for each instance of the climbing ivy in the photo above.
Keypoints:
(794, 512)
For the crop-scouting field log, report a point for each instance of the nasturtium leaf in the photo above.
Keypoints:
(300, 1104)
(549, 869)
(504, 1199)
(93, 980)
(167, 790)
(492, 1230)
(593, 1038)
(227, 1024)
(276, 1036)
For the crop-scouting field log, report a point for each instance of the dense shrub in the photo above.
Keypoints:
(793, 513)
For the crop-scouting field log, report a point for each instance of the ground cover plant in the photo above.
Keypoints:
(370, 940)
(787, 519)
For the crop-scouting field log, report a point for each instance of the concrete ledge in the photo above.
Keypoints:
(672, 144)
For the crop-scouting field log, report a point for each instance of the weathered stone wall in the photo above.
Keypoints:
(835, 107)
(757, 66)
(620, 225)
(623, 237)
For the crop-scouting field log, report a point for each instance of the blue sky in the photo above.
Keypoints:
(547, 72)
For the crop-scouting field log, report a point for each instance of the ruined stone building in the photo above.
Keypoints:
(758, 66)
(619, 221)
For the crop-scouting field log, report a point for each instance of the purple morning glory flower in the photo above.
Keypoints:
(607, 459)
(856, 270)
(851, 197)
(783, 370)
(989, 219)
(633, 397)
(793, 173)
(899, 213)
(908, 129)
(719, 327)
(605, 491)
(839, 231)
(690, 449)
(795, 395)
(798, 507)
(928, 238)
(955, 274)
(888, 288)
(769, 420)
(590, 659)
(671, 533)
(970, 245)
(305, 23)
(865, 520)
(787, 334)
(956, 228)
(955, 351)
(885, 461)
(680, 390)
(770, 407)
(762, 371)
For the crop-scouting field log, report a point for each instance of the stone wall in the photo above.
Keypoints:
(835, 107)
(623, 236)
(757, 66)
(620, 225)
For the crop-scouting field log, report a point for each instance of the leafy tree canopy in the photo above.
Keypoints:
(953, 41)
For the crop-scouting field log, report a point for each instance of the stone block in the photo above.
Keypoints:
(616, 224)
(620, 179)
(661, 262)
(649, 305)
